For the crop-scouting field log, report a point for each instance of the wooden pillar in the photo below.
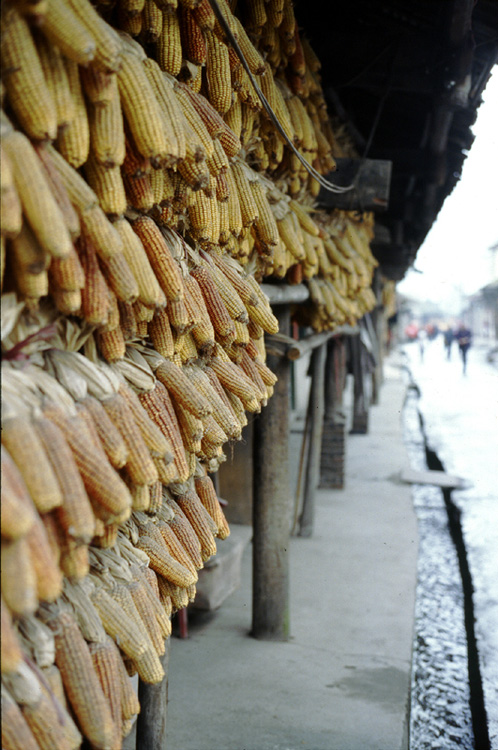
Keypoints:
(334, 424)
(272, 505)
(360, 395)
(317, 404)
(377, 323)
(151, 721)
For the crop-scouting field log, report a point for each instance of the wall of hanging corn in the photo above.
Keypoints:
(145, 194)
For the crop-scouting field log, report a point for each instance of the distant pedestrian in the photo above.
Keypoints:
(448, 340)
(463, 336)
(422, 338)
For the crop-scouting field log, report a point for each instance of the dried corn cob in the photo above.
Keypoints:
(11, 656)
(73, 141)
(45, 723)
(142, 111)
(108, 185)
(158, 405)
(108, 52)
(16, 734)
(27, 451)
(105, 659)
(39, 205)
(18, 512)
(153, 437)
(80, 680)
(159, 330)
(18, 577)
(181, 389)
(108, 493)
(218, 313)
(200, 521)
(165, 268)
(139, 465)
(25, 84)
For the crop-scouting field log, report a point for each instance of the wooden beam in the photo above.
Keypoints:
(281, 345)
(371, 179)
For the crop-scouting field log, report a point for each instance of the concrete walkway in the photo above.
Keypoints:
(342, 681)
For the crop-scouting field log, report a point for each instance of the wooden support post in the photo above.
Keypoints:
(272, 505)
(317, 402)
(334, 422)
(151, 721)
(360, 396)
(376, 317)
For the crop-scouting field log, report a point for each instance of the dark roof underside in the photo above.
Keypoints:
(407, 76)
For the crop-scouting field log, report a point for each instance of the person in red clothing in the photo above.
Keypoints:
(463, 336)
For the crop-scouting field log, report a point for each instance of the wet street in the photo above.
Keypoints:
(455, 672)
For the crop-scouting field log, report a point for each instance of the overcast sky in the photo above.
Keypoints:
(455, 258)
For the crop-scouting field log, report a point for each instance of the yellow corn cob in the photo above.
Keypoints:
(220, 317)
(28, 257)
(149, 291)
(106, 129)
(247, 365)
(75, 514)
(18, 577)
(39, 205)
(165, 268)
(57, 81)
(185, 534)
(207, 494)
(10, 205)
(190, 108)
(248, 208)
(99, 86)
(17, 508)
(191, 429)
(173, 378)
(210, 387)
(139, 465)
(147, 615)
(229, 294)
(233, 379)
(108, 493)
(25, 85)
(109, 45)
(73, 141)
(80, 680)
(159, 330)
(254, 59)
(44, 721)
(11, 655)
(164, 564)
(108, 186)
(265, 225)
(218, 73)
(66, 274)
(110, 437)
(170, 108)
(64, 30)
(105, 658)
(158, 405)
(152, 22)
(119, 277)
(153, 437)
(201, 217)
(172, 597)
(29, 455)
(219, 161)
(142, 111)
(169, 46)
(179, 317)
(200, 521)
(16, 734)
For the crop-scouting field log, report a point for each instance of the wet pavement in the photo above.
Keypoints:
(460, 424)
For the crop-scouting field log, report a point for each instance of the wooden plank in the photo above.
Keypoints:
(437, 478)
(285, 346)
(272, 505)
(317, 410)
(372, 182)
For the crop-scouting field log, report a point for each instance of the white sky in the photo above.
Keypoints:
(455, 259)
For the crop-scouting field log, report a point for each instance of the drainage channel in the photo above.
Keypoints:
(447, 705)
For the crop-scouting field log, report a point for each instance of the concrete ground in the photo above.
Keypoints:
(342, 681)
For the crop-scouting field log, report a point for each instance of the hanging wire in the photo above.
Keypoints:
(309, 168)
